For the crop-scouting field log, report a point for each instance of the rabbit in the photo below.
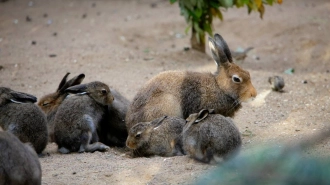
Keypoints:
(112, 130)
(21, 117)
(50, 102)
(158, 137)
(19, 163)
(181, 93)
(209, 137)
(78, 116)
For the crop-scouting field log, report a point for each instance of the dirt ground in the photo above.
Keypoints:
(125, 43)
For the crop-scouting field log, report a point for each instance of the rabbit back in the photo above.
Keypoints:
(213, 139)
(19, 164)
(27, 122)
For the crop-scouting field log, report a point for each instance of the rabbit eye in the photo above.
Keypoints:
(45, 103)
(236, 79)
(104, 91)
(137, 135)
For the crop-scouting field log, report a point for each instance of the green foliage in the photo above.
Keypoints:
(199, 13)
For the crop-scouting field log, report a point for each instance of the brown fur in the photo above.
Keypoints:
(50, 102)
(179, 93)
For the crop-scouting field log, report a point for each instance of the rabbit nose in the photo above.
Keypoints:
(253, 93)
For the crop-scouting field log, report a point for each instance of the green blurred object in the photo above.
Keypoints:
(271, 166)
(275, 165)
(199, 15)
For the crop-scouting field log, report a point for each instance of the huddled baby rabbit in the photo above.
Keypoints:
(112, 130)
(158, 137)
(78, 117)
(209, 137)
(50, 102)
(21, 117)
(19, 163)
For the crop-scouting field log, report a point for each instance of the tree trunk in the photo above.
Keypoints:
(199, 46)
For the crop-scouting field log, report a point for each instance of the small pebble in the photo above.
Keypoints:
(276, 82)
(28, 19)
(74, 173)
(33, 42)
(84, 16)
(54, 34)
(45, 15)
(304, 82)
(1, 67)
(186, 49)
(52, 55)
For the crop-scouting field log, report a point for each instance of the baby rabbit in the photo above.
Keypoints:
(112, 130)
(50, 102)
(158, 137)
(19, 163)
(181, 93)
(209, 137)
(21, 117)
(78, 116)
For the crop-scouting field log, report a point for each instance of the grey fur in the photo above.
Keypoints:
(158, 137)
(20, 116)
(78, 117)
(209, 137)
(112, 130)
(19, 163)
(50, 102)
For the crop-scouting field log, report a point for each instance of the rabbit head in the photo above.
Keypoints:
(140, 133)
(98, 91)
(230, 76)
(50, 102)
(7, 95)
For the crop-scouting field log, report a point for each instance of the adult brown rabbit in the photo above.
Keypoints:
(112, 130)
(209, 137)
(78, 117)
(181, 93)
(50, 102)
(158, 137)
(20, 116)
(19, 163)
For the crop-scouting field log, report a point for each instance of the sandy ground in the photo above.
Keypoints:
(125, 43)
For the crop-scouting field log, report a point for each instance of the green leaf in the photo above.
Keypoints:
(187, 29)
(172, 1)
(227, 3)
(198, 13)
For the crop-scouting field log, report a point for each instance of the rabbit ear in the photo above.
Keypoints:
(221, 43)
(219, 49)
(211, 111)
(63, 81)
(77, 89)
(158, 123)
(19, 97)
(202, 115)
(72, 82)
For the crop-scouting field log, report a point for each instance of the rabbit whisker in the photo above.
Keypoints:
(235, 104)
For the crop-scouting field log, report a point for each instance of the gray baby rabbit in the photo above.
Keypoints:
(158, 137)
(181, 93)
(78, 116)
(50, 102)
(19, 163)
(20, 116)
(209, 137)
(112, 130)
